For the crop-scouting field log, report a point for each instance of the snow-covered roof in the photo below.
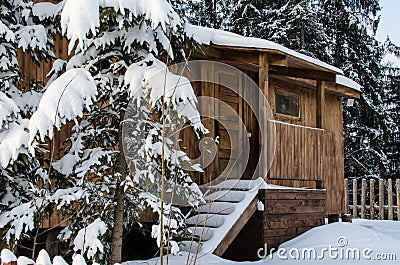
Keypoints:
(209, 36)
(347, 82)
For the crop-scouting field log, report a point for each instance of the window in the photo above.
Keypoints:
(287, 103)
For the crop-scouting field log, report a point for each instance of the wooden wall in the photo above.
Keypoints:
(34, 76)
(309, 157)
(287, 213)
(291, 212)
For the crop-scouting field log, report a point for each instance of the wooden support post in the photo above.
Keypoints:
(363, 191)
(381, 200)
(354, 198)
(320, 104)
(398, 198)
(264, 86)
(346, 197)
(390, 199)
(371, 199)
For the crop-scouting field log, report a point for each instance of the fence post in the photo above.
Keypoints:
(398, 198)
(355, 198)
(346, 197)
(363, 191)
(381, 200)
(390, 199)
(371, 199)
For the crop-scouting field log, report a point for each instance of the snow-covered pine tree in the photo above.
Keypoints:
(208, 13)
(114, 45)
(392, 102)
(351, 28)
(18, 168)
(294, 24)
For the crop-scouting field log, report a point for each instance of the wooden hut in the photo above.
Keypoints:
(306, 97)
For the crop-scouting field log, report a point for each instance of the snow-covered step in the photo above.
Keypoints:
(189, 246)
(205, 233)
(226, 196)
(217, 208)
(210, 220)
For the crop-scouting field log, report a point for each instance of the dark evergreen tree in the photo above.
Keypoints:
(294, 24)
(392, 102)
(351, 27)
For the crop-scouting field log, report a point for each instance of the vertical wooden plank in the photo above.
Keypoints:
(363, 193)
(263, 80)
(320, 104)
(381, 200)
(398, 198)
(283, 167)
(390, 199)
(346, 196)
(372, 199)
(354, 198)
(303, 152)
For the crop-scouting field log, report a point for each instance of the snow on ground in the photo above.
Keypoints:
(362, 242)
(391, 228)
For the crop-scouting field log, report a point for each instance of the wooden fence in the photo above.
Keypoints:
(364, 199)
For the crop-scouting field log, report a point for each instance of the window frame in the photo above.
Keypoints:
(290, 93)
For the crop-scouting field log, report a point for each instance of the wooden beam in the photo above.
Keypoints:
(263, 83)
(303, 73)
(320, 104)
(236, 228)
(330, 87)
(278, 60)
(240, 56)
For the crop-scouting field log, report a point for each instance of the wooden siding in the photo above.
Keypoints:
(291, 212)
(299, 153)
(315, 159)
(34, 76)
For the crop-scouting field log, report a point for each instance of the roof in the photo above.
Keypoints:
(209, 36)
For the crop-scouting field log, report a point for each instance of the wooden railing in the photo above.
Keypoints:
(364, 199)
(299, 152)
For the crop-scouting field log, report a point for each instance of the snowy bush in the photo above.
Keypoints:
(118, 49)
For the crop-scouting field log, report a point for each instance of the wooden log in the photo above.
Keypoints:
(363, 196)
(381, 200)
(283, 195)
(346, 196)
(293, 217)
(371, 199)
(398, 198)
(354, 198)
(390, 199)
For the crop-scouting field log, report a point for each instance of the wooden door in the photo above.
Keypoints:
(228, 124)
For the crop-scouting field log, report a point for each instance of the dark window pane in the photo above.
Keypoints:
(287, 104)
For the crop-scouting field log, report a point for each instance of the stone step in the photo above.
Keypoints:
(189, 246)
(223, 208)
(206, 233)
(210, 220)
(225, 196)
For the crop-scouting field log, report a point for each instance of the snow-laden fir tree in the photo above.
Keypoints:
(294, 24)
(392, 102)
(351, 28)
(19, 170)
(113, 46)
